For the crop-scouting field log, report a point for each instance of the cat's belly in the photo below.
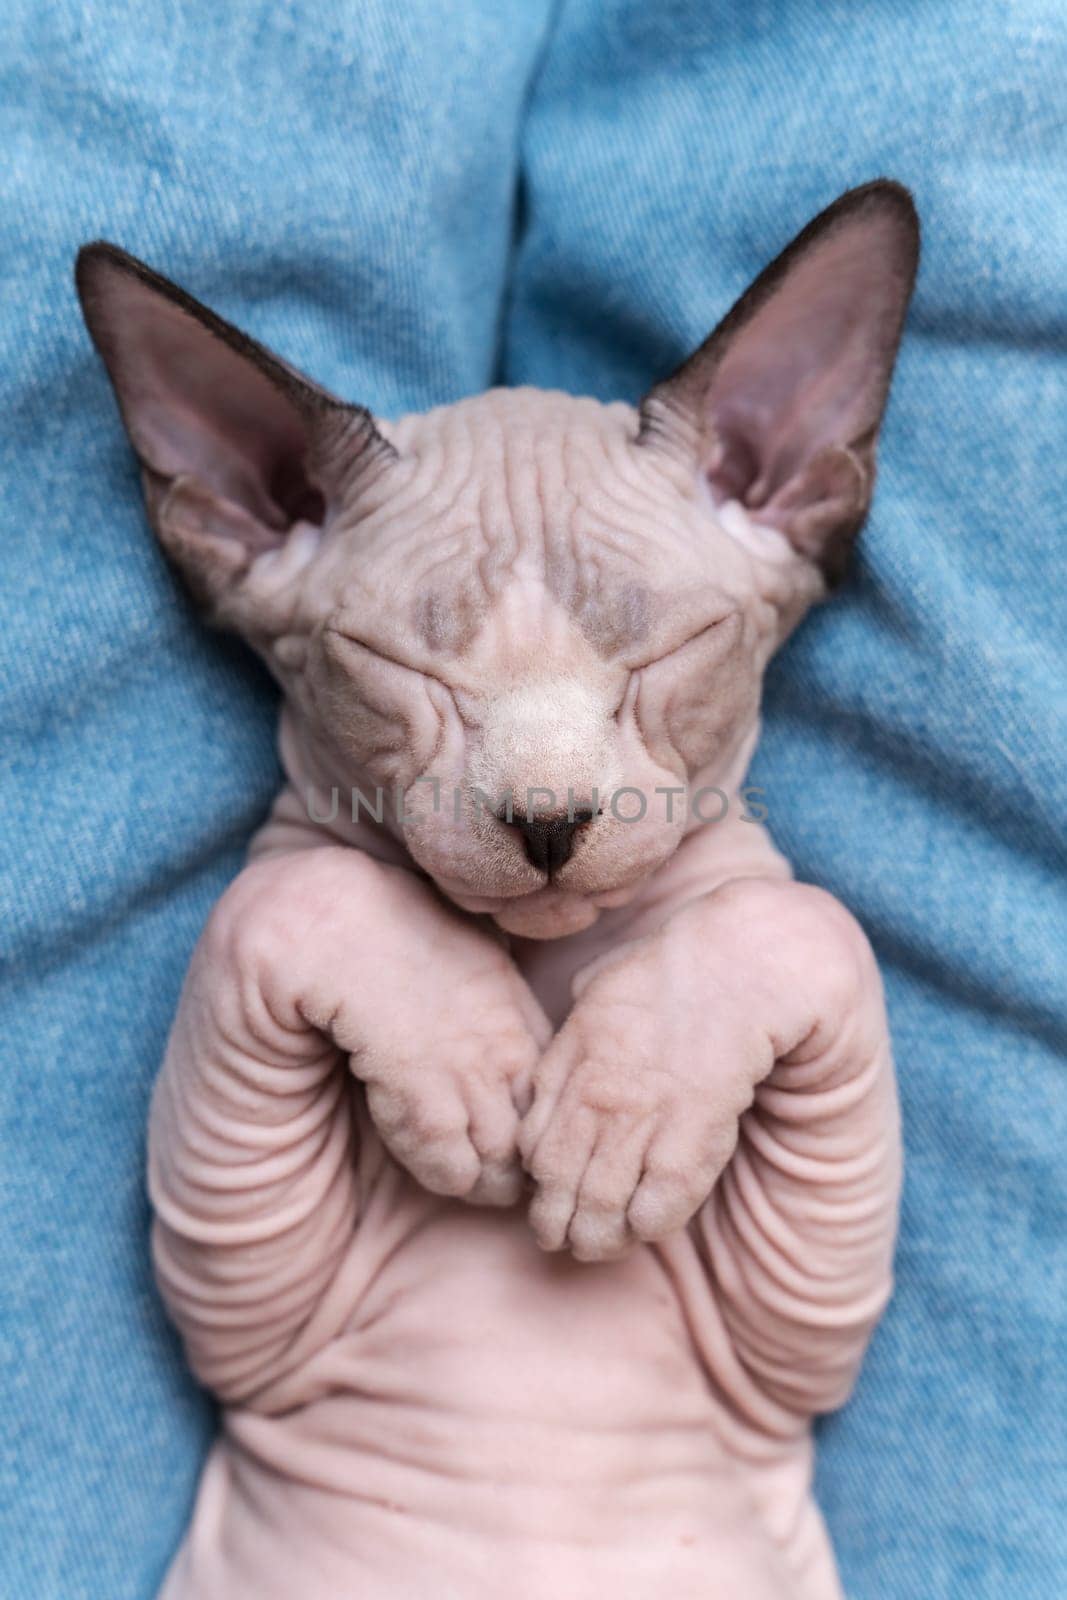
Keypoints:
(258, 1538)
(487, 1423)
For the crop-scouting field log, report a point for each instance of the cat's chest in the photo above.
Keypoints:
(708, 858)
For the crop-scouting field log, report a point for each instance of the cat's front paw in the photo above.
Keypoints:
(636, 1106)
(447, 1094)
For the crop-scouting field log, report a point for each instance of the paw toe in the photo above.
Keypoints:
(499, 1183)
(599, 1235)
(550, 1214)
(660, 1206)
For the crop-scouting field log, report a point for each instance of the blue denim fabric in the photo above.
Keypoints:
(341, 179)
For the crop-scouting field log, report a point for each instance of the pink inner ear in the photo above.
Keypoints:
(196, 408)
(810, 368)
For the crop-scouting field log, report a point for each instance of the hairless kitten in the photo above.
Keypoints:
(525, 1156)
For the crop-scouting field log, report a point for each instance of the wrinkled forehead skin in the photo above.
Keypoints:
(527, 532)
(531, 599)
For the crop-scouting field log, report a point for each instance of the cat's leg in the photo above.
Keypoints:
(732, 1071)
(311, 964)
(798, 1233)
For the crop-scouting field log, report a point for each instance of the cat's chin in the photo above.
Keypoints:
(547, 914)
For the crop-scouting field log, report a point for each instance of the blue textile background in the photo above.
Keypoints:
(342, 180)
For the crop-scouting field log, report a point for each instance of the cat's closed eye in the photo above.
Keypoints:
(690, 700)
(376, 707)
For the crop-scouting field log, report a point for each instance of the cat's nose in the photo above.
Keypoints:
(549, 841)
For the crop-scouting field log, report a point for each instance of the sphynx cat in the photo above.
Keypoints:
(525, 1157)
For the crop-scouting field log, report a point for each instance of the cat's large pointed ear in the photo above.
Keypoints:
(781, 406)
(237, 448)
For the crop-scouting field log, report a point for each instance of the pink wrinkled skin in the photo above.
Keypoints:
(521, 1222)
(419, 1400)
